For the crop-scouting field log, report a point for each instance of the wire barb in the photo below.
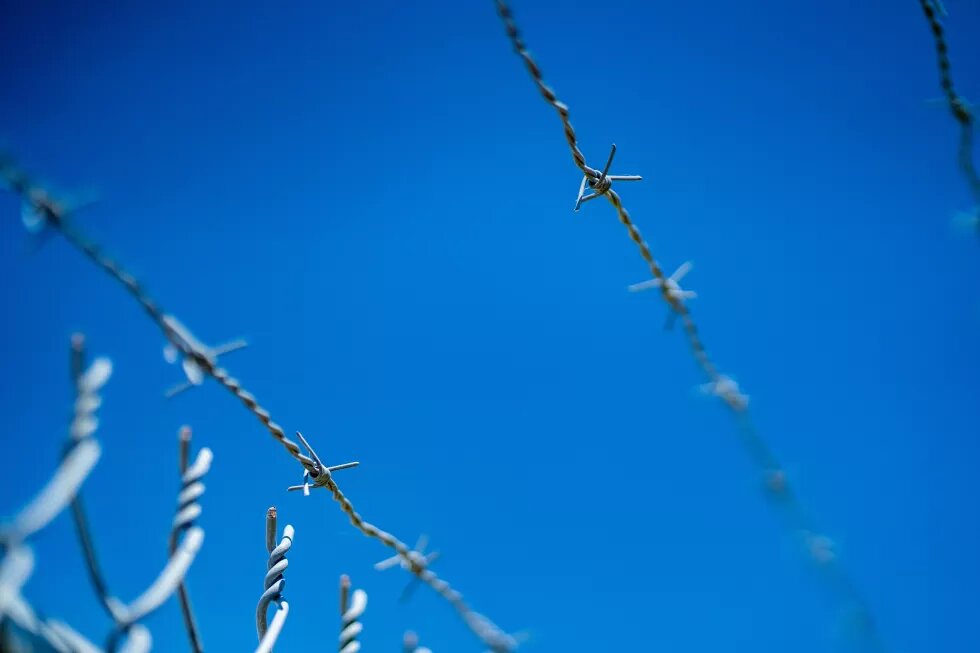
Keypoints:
(600, 182)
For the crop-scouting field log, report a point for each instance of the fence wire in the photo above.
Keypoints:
(958, 106)
(63, 490)
(818, 547)
(47, 212)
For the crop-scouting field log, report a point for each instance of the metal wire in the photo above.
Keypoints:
(85, 383)
(55, 216)
(776, 482)
(274, 581)
(957, 105)
(55, 496)
(165, 584)
(352, 606)
(188, 510)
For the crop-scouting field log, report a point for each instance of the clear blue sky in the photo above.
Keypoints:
(377, 198)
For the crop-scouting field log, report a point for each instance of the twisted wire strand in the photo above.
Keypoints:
(56, 217)
(352, 606)
(188, 510)
(275, 628)
(775, 479)
(83, 416)
(957, 105)
(274, 581)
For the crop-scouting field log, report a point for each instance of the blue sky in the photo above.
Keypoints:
(376, 197)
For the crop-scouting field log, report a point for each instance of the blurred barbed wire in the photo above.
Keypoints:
(775, 480)
(958, 107)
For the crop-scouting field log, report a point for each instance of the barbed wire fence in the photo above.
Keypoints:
(818, 547)
(43, 214)
(960, 109)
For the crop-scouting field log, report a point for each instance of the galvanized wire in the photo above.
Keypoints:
(776, 482)
(352, 606)
(274, 581)
(83, 424)
(188, 510)
(958, 106)
(162, 588)
(55, 216)
(55, 496)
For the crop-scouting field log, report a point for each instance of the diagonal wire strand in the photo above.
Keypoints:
(188, 510)
(958, 106)
(776, 482)
(56, 217)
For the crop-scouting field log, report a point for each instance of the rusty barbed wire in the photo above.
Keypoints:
(958, 106)
(723, 386)
(188, 510)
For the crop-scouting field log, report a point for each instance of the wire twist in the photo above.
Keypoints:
(352, 606)
(188, 510)
(274, 581)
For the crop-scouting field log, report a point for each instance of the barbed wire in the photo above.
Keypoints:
(52, 214)
(958, 106)
(723, 386)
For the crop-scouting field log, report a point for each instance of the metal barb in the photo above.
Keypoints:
(317, 471)
(600, 182)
